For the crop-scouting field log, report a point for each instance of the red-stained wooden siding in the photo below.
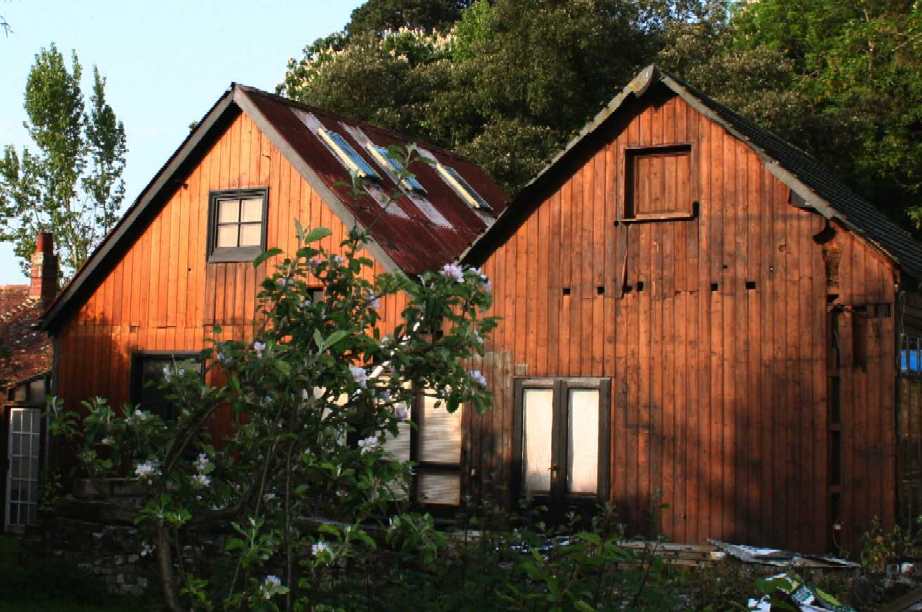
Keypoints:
(719, 393)
(162, 295)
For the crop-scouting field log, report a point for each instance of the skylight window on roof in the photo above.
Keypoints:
(462, 188)
(390, 162)
(347, 156)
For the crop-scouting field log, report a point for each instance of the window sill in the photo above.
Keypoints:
(240, 255)
(665, 216)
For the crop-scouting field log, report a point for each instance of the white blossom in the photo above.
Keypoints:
(107, 441)
(319, 548)
(359, 375)
(454, 272)
(401, 411)
(137, 417)
(283, 281)
(202, 462)
(369, 444)
(259, 347)
(201, 481)
(478, 377)
(148, 469)
(146, 549)
(272, 586)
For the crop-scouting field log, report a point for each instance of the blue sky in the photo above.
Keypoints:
(165, 62)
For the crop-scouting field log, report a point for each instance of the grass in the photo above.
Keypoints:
(50, 585)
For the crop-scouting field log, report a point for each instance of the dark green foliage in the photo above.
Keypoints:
(841, 80)
(507, 87)
(36, 583)
(70, 184)
(516, 78)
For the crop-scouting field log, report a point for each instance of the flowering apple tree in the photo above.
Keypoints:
(302, 480)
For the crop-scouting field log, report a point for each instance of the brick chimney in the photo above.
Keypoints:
(44, 283)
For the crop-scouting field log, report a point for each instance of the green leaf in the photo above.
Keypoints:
(318, 339)
(283, 367)
(318, 233)
(262, 257)
(335, 337)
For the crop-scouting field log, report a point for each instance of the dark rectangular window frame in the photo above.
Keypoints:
(431, 467)
(137, 360)
(218, 254)
(630, 155)
(561, 388)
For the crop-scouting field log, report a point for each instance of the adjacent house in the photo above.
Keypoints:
(699, 322)
(180, 260)
(25, 365)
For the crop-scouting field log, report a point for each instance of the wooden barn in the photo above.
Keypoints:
(699, 323)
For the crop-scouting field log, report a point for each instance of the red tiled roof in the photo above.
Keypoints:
(411, 239)
(24, 351)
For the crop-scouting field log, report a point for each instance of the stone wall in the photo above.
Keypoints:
(96, 533)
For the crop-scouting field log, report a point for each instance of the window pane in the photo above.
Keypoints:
(538, 414)
(398, 448)
(228, 211)
(227, 236)
(439, 488)
(583, 442)
(251, 210)
(251, 234)
(440, 433)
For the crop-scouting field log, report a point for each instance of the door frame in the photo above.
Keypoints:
(557, 499)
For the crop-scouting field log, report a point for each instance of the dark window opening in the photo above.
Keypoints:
(148, 375)
(566, 291)
(600, 290)
(639, 285)
(835, 458)
(237, 224)
(715, 286)
(750, 285)
(658, 182)
(835, 401)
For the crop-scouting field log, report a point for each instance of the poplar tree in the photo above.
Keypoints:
(70, 182)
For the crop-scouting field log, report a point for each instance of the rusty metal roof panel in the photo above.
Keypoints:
(432, 227)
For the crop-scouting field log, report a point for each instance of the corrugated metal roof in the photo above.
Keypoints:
(807, 177)
(415, 240)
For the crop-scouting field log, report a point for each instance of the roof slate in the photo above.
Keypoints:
(24, 351)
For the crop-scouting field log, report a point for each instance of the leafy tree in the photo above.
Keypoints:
(71, 184)
(841, 80)
(507, 86)
(312, 397)
(380, 15)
